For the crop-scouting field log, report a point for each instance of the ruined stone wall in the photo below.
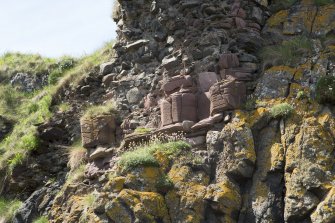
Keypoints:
(160, 43)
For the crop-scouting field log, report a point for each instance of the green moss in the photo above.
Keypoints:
(142, 130)
(144, 156)
(325, 90)
(8, 209)
(41, 220)
(281, 110)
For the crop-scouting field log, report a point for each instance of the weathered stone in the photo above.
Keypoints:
(175, 83)
(98, 130)
(206, 80)
(196, 141)
(107, 68)
(227, 95)
(166, 112)
(106, 80)
(170, 62)
(228, 60)
(134, 95)
(204, 105)
(137, 44)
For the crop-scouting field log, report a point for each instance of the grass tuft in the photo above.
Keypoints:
(144, 156)
(8, 209)
(41, 220)
(97, 110)
(77, 155)
(289, 53)
(281, 110)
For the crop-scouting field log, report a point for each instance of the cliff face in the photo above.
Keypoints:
(223, 112)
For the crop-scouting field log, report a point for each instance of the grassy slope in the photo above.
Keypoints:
(27, 110)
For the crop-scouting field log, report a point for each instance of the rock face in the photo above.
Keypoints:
(98, 130)
(29, 82)
(209, 72)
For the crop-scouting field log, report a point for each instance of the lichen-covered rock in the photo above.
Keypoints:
(238, 156)
(309, 169)
(325, 211)
(130, 206)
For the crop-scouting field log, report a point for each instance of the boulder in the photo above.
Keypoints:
(98, 130)
(175, 83)
(106, 68)
(227, 95)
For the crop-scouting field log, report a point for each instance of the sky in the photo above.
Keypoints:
(54, 28)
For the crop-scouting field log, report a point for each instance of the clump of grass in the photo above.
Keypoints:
(144, 155)
(325, 90)
(64, 64)
(12, 63)
(89, 200)
(301, 95)
(142, 130)
(77, 155)
(98, 110)
(84, 66)
(77, 174)
(8, 209)
(41, 220)
(64, 107)
(281, 110)
(289, 53)
(23, 138)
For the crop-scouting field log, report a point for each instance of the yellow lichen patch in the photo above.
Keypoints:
(162, 159)
(151, 172)
(226, 197)
(278, 18)
(323, 119)
(146, 207)
(186, 204)
(281, 68)
(325, 19)
(277, 156)
(115, 184)
(325, 212)
(256, 116)
(178, 174)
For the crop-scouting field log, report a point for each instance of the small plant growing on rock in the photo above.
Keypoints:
(41, 220)
(8, 209)
(164, 184)
(301, 95)
(77, 155)
(97, 110)
(325, 90)
(281, 110)
(142, 130)
(288, 53)
(144, 155)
